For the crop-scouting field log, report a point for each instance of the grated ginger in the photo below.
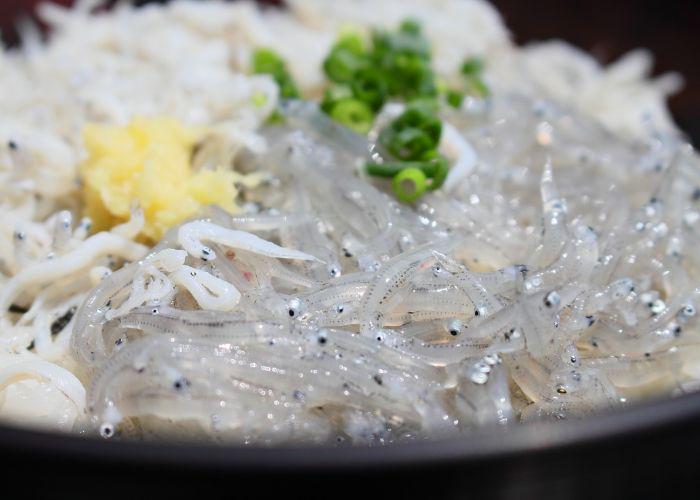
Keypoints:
(148, 162)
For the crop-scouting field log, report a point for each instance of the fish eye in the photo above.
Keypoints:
(181, 383)
(675, 328)
(106, 430)
(454, 327)
(552, 299)
(295, 308)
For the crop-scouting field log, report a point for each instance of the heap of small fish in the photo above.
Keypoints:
(557, 276)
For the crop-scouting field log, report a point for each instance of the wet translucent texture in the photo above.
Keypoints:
(557, 278)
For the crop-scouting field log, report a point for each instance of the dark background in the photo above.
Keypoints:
(606, 28)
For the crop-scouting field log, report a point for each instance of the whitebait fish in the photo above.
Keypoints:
(192, 234)
(75, 261)
(250, 226)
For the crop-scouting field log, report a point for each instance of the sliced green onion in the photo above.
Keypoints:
(412, 143)
(396, 64)
(333, 94)
(429, 168)
(288, 89)
(404, 57)
(381, 46)
(478, 87)
(342, 64)
(275, 118)
(400, 42)
(351, 41)
(409, 184)
(266, 61)
(413, 133)
(410, 26)
(473, 66)
(454, 98)
(391, 168)
(354, 114)
(421, 116)
(425, 87)
(473, 69)
(407, 144)
(410, 75)
(370, 87)
(387, 169)
(441, 169)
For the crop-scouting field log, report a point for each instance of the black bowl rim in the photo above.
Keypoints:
(487, 444)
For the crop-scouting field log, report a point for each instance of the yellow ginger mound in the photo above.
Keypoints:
(148, 162)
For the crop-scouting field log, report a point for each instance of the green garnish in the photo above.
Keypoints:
(478, 87)
(345, 59)
(369, 86)
(334, 94)
(410, 26)
(473, 66)
(288, 89)
(342, 64)
(412, 134)
(473, 69)
(354, 114)
(441, 168)
(397, 43)
(454, 98)
(409, 184)
(394, 65)
(434, 165)
(422, 116)
(408, 75)
(268, 62)
(413, 138)
(275, 118)
(391, 168)
(351, 41)
(407, 144)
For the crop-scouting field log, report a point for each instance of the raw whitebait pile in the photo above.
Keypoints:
(553, 275)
